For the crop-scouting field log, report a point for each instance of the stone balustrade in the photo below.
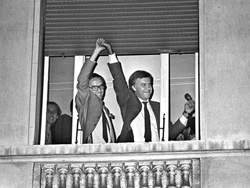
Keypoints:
(136, 174)
(160, 164)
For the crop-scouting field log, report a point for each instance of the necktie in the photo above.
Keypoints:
(104, 127)
(147, 134)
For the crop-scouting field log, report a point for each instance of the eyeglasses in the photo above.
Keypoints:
(95, 88)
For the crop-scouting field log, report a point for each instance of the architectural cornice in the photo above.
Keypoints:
(123, 151)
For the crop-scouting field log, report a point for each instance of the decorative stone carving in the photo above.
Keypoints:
(76, 173)
(158, 176)
(154, 174)
(116, 176)
(171, 171)
(49, 173)
(185, 168)
(62, 170)
(144, 170)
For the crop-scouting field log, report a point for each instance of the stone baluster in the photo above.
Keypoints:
(76, 173)
(164, 176)
(151, 176)
(49, 173)
(130, 170)
(137, 176)
(90, 177)
(109, 176)
(158, 176)
(103, 171)
(185, 168)
(123, 179)
(62, 170)
(83, 178)
(96, 177)
(178, 176)
(117, 176)
(171, 170)
(56, 178)
(69, 179)
(144, 176)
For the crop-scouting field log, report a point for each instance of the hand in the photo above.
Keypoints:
(105, 44)
(189, 107)
(99, 45)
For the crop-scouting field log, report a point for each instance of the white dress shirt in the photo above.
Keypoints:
(97, 134)
(138, 125)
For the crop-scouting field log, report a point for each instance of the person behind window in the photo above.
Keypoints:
(134, 98)
(94, 116)
(61, 130)
(53, 113)
(189, 132)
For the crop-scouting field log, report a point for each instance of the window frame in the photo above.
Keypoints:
(164, 97)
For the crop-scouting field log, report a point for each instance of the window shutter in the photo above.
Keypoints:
(132, 26)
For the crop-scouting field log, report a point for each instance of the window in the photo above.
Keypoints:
(174, 76)
(158, 31)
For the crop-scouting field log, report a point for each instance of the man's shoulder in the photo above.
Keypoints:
(154, 103)
(64, 117)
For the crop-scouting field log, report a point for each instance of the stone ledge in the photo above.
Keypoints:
(126, 148)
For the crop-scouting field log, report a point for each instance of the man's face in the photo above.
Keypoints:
(52, 114)
(143, 88)
(97, 87)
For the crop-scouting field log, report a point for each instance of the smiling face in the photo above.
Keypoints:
(52, 114)
(97, 87)
(143, 88)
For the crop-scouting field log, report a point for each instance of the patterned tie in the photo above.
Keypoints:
(147, 134)
(104, 127)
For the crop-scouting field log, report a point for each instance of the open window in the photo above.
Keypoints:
(180, 76)
(58, 87)
(161, 29)
(174, 76)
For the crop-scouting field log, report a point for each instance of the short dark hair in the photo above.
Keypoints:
(58, 109)
(95, 75)
(139, 74)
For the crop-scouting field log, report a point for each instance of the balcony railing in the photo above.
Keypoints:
(124, 174)
(161, 164)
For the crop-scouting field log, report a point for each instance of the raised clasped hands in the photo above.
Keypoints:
(103, 44)
(99, 45)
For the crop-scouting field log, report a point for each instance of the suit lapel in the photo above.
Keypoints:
(156, 110)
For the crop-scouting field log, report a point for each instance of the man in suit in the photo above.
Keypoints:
(94, 116)
(132, 97)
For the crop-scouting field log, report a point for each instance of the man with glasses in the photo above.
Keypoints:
(94, 116)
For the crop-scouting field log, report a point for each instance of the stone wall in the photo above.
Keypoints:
(224, 79)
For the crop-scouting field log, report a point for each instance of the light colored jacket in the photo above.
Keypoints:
(88, 105)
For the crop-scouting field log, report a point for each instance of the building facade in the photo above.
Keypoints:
(220, 159)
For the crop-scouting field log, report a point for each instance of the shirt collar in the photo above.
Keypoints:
(143, 100)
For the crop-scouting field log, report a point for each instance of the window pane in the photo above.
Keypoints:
(182, 81)
(61, 79)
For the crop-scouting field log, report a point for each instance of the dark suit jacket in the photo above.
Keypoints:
(88, 105)
(61, 130)
(131, 106)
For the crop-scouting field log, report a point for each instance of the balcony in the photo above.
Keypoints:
(162, 164)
